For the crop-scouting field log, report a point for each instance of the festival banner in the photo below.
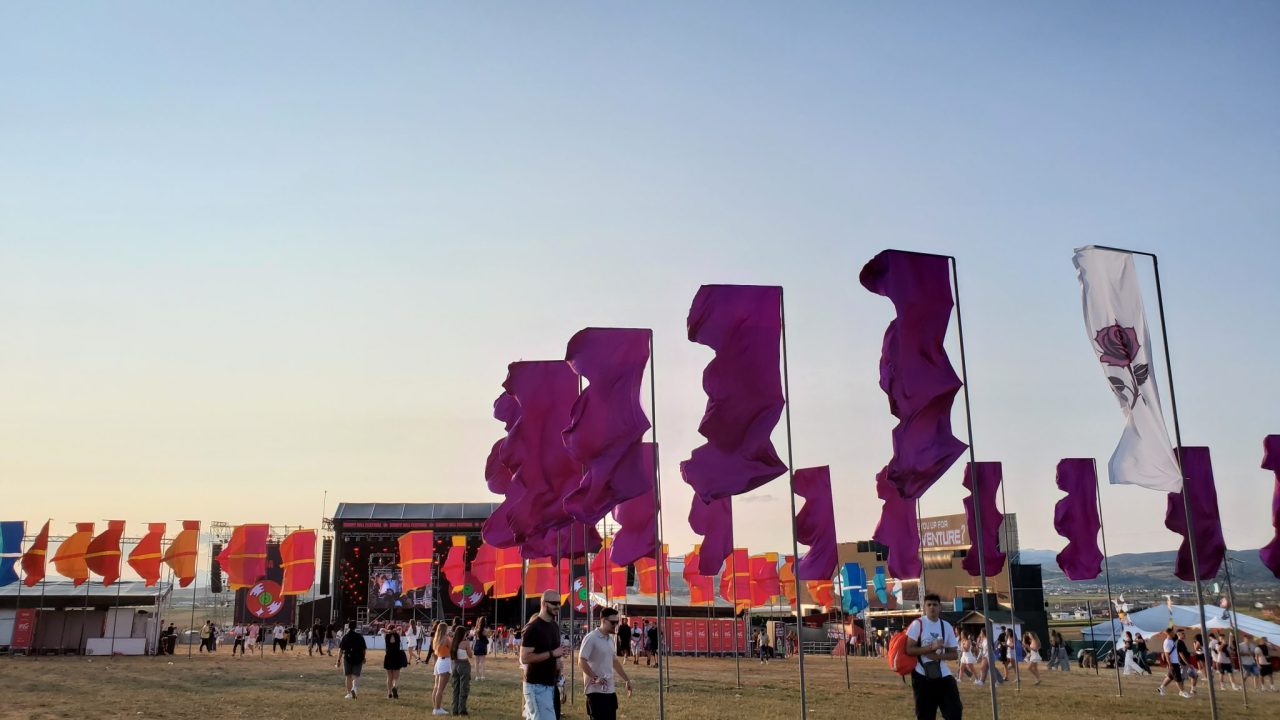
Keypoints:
(647, 574)
(33, 560)
(102, 556)
(637, 518)
(417, 550)
(988, 476)
(1116, 323)
(743, 383)
(11, 532)
(787, 579)
(607, 420)
(574, 540)
(607, 576)
(1202, 499)
(1076, 518)
(822, 592)
(1270, 555)
(853, 588)
(69, 561)
(24, 629)
(454, 567)
(145, 556)
(298, 560)
(702, 592)
(714, 522)
(181, 555)
(244, 559)
(735, 581)
(497, 527)
(816, 523)
(484, 565)
(898, 528)
(508, 568)
(765, 583)
(540, 576)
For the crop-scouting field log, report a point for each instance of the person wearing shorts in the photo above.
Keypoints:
(1262, 654)
(351, 652)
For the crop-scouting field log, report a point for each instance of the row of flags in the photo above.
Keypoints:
(82, 554)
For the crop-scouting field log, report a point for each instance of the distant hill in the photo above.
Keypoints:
(1154, 570)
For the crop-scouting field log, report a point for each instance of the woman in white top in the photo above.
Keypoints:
(1031, 646)
(967, 659)
(1131, 666)
(410, 641)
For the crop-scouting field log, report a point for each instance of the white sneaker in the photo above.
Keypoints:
(439, 711)
(1184, 694)
(348, 696)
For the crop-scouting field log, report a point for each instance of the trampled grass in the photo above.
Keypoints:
(310, 688)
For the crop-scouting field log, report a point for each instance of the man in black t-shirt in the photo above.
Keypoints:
(351, 656)
(624, 639)
(540, 651)
(316, 639)
(651, 644)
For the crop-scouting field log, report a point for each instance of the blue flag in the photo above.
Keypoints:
(879, 584)
(11, 532)
(853, 588)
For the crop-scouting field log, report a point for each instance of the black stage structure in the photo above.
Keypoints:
(366, 563)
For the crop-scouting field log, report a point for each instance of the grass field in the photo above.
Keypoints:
(296, 686)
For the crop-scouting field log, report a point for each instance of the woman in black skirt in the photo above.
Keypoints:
(393, 662)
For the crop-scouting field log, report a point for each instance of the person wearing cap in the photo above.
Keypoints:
(540, 650)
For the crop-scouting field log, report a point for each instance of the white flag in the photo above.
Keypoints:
(1117, 327)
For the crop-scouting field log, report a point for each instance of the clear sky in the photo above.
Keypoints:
(251, 253)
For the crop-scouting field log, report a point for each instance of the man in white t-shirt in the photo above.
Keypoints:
(598, 661)
(932, 641)
(1174, 660)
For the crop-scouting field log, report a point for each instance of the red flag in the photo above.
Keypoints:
(33, 559)
(701, 587)
(455, 563)
(822, 592)
(180, 556)
(787, 579)
(507, 573)
(607, 576)
(69, 559)
(765, 584)
(298, 559)
(540, 576)
(145, 557)
(647, 575)
(416, 557)
(484, 565)
(244, 559)
(735, 581)
(103, 554)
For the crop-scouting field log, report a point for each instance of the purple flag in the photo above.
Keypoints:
(743, 382)
(1271, 461)
(497, 530)
(714, 522)
(1197, 482)
(562, 542)
(898, 529)
(608, 422)
(637, 519)
(816, 524)
(1076, 518)
(542, 473)
(989, 475)
(914, 369)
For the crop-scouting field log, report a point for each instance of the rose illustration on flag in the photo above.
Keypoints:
(1118, 347)
(263, 600)
(580, 595)
(468, 594)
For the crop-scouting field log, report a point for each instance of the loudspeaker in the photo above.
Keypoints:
(215, 570)
(326, 560)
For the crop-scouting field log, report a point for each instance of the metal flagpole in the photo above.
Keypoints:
(16, 566)
(977, 506)
(1088, 608)
(1177, 432)
(1235, 627)
(114, 619)
(657, 524)
(195, 586)
(84, 616)
(733, 590)
(1106, 567)
(791, 493)
(572, 601)
(1013, 606)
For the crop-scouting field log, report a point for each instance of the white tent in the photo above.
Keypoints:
(1155, 620)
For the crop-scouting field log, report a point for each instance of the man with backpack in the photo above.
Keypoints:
(932, 642)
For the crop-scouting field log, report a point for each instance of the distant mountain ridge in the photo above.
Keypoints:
(1154, 570)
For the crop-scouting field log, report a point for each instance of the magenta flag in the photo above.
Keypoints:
(816, 524)
(542, 472)
(988, 475)
(562, 542)
(637, 519)
(607, 421)
(1271, 461)
(915, 371)
(898, 529)
(1076, 518)
(714, 522)
(743, 382)
(497, 527)
(1197, 482)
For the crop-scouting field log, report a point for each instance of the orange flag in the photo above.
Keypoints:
(33, 559)
(508, 567)
(145, 557)
(787, 579)
(647, 574)
(180, 556)
(244, 559)
(484, 565)
(103, 554)
(69, 559)
(455, 563)
(735, 579)
(298, 559)
(607, 576)
(416, 557)
(702, 591)
(540, 576)
(821, 591)
(765, 585)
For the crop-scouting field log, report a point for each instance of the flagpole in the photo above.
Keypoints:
(1013, 607)
(791, 476)
(195, 587)
(733, 585)
(17, 565)
(1106, 566)
(657, 520)
(159, 582)
(34, 635)
(1177, 432)
(84, 616)
(114, 612)
(572, 623)
(1231, 594)
(977, 506)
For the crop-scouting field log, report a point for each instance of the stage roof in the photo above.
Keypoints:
(413, 511)
(64, 593)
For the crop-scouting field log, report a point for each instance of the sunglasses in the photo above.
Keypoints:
(548, 603)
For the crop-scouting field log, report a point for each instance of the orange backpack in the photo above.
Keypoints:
(899, 660)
